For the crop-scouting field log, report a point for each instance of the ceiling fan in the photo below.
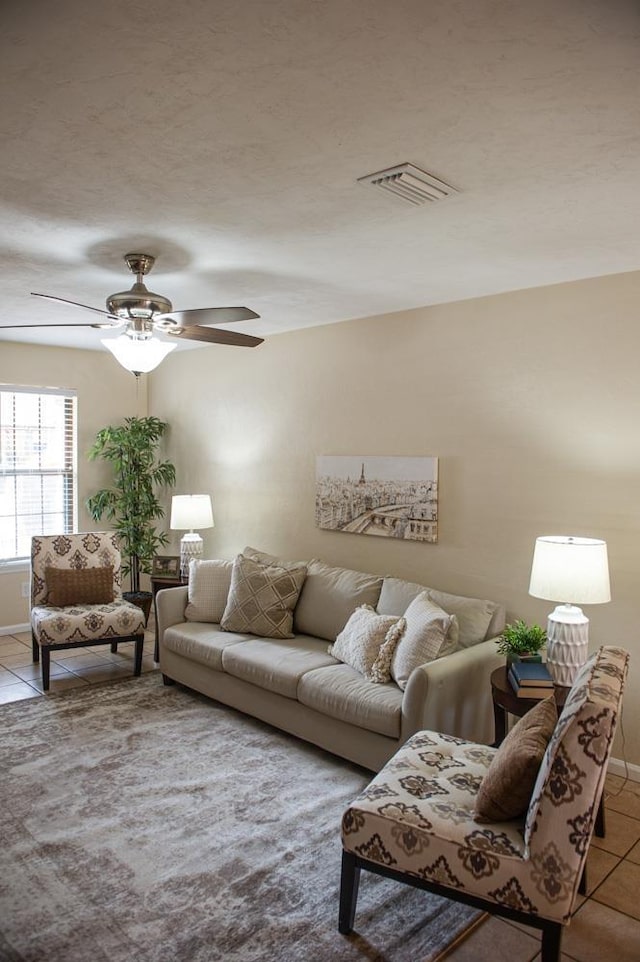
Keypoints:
(143, 314)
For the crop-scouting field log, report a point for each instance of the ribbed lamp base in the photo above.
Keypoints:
(567, 643)
(191, 546)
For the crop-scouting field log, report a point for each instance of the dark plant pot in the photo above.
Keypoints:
(143, 599)
(513, 657)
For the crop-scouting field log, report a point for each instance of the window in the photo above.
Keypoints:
(37, 467)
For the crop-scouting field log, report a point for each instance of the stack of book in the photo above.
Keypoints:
(530, 679)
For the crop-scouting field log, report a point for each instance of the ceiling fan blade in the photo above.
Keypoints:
(96, 324)
(214, 336)
(210, 315)
(85, 307)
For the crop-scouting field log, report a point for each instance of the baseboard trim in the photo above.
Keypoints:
(14, 629)
(618, 766)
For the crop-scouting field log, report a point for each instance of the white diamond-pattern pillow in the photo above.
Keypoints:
(262, 598)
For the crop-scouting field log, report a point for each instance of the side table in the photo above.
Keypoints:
(157, 584)
(506, 702)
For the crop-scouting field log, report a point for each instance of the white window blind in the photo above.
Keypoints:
(38, 466)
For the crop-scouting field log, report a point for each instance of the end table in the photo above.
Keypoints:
(157, 584)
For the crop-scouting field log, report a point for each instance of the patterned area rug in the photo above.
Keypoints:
(140, 823)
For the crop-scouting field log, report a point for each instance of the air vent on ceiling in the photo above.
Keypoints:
(410, 183)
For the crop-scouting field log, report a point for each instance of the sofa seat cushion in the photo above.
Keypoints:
(341, 692)
(201, 642)
(276, 664)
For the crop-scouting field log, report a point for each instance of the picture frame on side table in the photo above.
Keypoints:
(166, 566)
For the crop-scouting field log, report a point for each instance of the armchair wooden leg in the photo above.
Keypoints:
(46, 667)
(349, 882)
(551, 938)
(114, 647)
(582, 887)
(600, 826)
(35, 647)
(137, 668)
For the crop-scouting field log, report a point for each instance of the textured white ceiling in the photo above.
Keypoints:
(226, 137)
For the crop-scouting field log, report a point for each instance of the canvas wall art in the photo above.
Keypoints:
(383, 496)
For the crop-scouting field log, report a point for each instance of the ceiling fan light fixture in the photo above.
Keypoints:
(138, 354)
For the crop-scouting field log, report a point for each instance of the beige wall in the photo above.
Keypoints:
(531, 400)
(106, 394)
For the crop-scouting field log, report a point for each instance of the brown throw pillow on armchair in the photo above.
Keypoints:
(506, 789)
(84, 586)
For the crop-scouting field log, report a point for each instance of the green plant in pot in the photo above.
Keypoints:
(131, 503)
(522, 642)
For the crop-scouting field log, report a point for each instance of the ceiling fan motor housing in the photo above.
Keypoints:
(138, 302)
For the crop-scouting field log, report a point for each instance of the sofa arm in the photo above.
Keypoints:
(170, 608)
(452, 695)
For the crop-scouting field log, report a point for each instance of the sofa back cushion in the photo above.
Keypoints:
(329, 596)
(476, 619)
(209, 583)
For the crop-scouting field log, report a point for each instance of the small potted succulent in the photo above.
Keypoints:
(522, 642)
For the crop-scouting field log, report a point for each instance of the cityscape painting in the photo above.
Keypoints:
(386, 497)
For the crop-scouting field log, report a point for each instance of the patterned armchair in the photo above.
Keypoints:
(415, 822)
(76, 597)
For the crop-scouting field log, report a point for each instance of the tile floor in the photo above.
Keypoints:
(606, 926)
(71, 668)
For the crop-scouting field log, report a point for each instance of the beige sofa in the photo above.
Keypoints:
(297, 686)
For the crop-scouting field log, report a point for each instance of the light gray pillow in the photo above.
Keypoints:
(262, 598)
(209, 583)
(424, 638)
(329, 596)
(367, 643)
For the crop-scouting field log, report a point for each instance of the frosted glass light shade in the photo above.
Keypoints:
(138, 355)
(189, 511)
(572, 570)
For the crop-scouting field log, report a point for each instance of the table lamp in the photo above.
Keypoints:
(189, 511)
(573, 571)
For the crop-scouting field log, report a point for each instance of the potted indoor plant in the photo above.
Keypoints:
(522, 642)
(131, 502)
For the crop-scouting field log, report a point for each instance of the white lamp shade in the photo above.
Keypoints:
(570, 570)
(138, 355)
(189, 511)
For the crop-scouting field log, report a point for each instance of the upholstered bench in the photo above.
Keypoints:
(418, 819)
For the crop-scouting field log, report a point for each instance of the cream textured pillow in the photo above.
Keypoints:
(367, 641)
(424, 639)
(262, 598)
(209, 583)
(505, 791)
